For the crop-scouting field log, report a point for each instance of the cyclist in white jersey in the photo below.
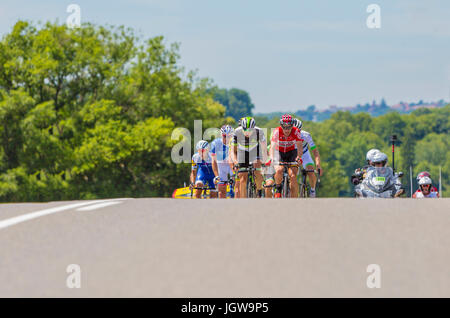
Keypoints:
(426, 189)
(221, 164)
(308, 165)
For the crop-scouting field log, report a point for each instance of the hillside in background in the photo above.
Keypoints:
(313, 114)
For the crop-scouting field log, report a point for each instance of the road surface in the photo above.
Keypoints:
(226, 248)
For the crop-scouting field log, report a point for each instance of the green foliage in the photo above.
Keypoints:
(237, 102)
(89, 112)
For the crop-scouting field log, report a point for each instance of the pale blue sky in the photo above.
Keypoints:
(287, 54)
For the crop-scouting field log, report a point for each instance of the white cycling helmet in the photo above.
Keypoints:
(380, 157)
(371, 153)
(423, 174)
(298, 123)
(425, 181)
(202, 144)
(226, 130)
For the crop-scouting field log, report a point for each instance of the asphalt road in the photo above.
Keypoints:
(226, 248)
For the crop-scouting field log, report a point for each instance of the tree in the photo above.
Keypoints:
(89, 112)
(237, 102)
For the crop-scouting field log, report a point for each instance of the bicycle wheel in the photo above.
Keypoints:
(285, 187)
(249, 188)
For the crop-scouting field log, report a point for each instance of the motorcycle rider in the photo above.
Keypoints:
(379, 172)
(379, 159)
(359, 174)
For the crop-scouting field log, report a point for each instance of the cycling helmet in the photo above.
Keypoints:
(423, 174)
(371, 153)
(247, 122)
(380, 157)
(298, 123)
(226, 130)
(286, 120)
(202, 144)
(425, 181)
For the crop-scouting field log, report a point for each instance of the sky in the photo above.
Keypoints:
(287, 54)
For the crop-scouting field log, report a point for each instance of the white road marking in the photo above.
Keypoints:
(98, 206)
(33, 215)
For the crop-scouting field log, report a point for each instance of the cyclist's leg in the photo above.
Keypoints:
(243, 184)
(269, 174)
(237, 187)
(224, 172)
(198, 192)
(199, 183)
(243, 161)
(278, 177)
(212, 189)
(292, 171)
(255, 157)
(258, 174)
(308, 165)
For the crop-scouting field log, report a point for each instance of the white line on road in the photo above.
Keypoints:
(98, 206)
(33, 215)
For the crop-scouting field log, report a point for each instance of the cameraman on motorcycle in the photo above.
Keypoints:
(359, 174)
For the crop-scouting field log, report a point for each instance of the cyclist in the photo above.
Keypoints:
(426, 189)
(285, 141)
(248, 148)
(220, 163)
(426, 174)
(308, 164)
(202, 172)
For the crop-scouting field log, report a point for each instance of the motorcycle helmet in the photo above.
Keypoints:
(370, 154)
(380, 157)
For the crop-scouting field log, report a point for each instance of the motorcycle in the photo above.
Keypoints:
(380, 182)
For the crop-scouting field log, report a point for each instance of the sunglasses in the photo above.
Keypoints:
(286, 126)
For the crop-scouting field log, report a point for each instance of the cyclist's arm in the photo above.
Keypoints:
(299, 144)
(273, 144)
(316, 154)
(193, 175)
(233, 153)
(263, 145)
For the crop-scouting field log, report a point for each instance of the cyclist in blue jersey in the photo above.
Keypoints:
(202, 173)
(221, 165)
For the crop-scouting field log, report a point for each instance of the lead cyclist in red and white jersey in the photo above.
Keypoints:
(285, 141)
(308, 165)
